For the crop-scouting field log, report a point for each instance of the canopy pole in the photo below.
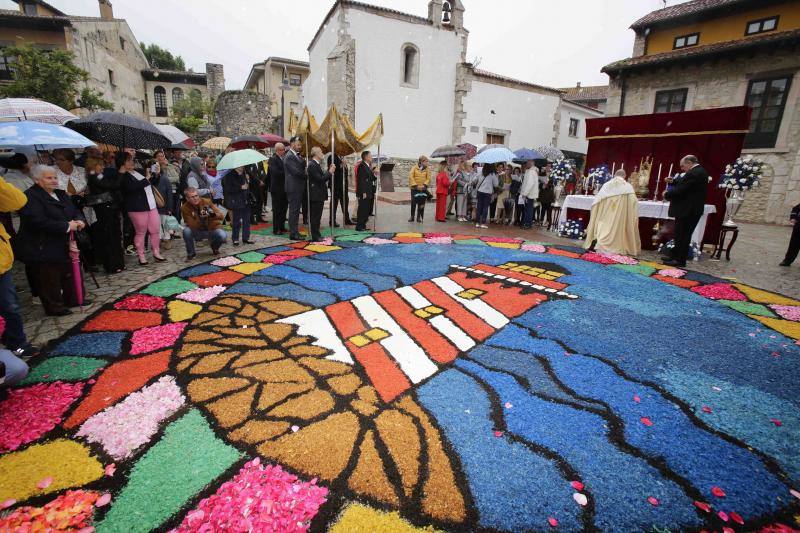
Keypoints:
(308, 195)
(332, 203)
(375, 195)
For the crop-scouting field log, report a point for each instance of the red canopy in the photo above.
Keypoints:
(715, 136)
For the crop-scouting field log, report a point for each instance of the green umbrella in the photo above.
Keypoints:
(240, 158)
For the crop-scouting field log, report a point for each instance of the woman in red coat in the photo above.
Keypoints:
(442, 190)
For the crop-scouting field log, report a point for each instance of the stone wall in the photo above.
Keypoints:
(242, 113)
(723, 82)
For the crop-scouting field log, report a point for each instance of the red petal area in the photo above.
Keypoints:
(122, 321)
(637, 399)
(30, 412)
(678, 282)
(552, 521)
(707, 409)
(577, 485)
(224, 277)
(723, 516)
(718, 492)
(653, 501)
(736, 517)
(117, 381)
(646, 421)
(776, 422)
(703, 506)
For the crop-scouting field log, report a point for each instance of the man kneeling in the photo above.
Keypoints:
(203, 220)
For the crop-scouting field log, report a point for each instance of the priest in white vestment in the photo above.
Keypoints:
(614, 223)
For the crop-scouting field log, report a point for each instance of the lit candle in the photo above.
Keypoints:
(613, 167)
(658, 180)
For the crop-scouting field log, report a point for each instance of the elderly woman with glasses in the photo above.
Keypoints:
(44, 240)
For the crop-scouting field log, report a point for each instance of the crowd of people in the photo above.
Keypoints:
(500, 193)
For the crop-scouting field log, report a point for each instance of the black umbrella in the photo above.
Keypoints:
(119, 129)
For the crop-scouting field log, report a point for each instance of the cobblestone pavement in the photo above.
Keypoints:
(754, 261)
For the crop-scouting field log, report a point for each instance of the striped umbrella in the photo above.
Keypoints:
(33, 109)
(217, 143)
(119, 129)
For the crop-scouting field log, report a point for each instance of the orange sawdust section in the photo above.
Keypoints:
(223, 277)
(563, 253)
(434, 343)
(277, 392)
(369, 476)
(511, 301)
(122, 321)
(678, 282)
(117, 381)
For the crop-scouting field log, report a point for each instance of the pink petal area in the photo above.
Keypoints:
(28, 413)
(672, 272)
(278, 259)
(150, 339)
(580, 499)
(258, 498)
(121, 429)
(719, 291)
(46, 482)
(622, 259)
(789, 312)
(439, 240)
(103, 500)
(538, 248)
(598, 258)
(8, 503)
(202, 295)
(377, 241)
(226, 261)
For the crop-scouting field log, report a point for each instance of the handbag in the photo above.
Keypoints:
(83, 241)
(100, 199)
(160, 203)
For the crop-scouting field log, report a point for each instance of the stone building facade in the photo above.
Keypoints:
(243, 113)
(164, 88)
(724, 69)
(282, 80)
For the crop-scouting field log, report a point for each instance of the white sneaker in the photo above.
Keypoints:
(484, 226)
(477, 225)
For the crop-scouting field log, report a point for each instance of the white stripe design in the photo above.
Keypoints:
(483, 310)
(444, 325)
(317, 325)
(412, 360)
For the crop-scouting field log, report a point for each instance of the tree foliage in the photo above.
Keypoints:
(93, 101)
(191, 112)
(50, 75)
(162, 58)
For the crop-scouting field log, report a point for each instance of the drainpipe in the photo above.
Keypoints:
(622, 95)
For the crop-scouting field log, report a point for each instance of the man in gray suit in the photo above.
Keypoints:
(295, 170)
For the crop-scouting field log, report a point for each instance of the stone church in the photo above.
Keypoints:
(369, 60)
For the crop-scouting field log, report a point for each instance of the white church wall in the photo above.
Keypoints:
(577, 143)
(416, 120)
(315, 91)
(525, 117)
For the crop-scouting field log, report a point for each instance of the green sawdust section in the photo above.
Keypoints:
(251, 257)
(64, 368)
(180, 465)
(748, 308)
(644, 270)
(169, 287)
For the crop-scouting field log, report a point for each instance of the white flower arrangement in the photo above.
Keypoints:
(599, 175)
(742, 175)
(562, 170)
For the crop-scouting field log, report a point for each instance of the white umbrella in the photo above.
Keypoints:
(33, 109)
(40, 135)
(551, 153)
(175, 135)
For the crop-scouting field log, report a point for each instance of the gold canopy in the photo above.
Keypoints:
(348, 141)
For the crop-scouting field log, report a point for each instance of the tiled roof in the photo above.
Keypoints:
(33, 20)
(586, 92)
(791, 37)
(491, 75)
(686, 9)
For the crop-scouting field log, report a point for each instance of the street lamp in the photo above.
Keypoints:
(284, 87)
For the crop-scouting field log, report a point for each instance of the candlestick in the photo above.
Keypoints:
(622, 166)
(670, 175)
(658, 181)
(613, 167)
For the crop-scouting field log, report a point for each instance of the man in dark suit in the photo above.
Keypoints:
(365, 190)
(794, 240)
(318, 189)
(340, 192)
(276, 178)
(295, 184)
(687, 197)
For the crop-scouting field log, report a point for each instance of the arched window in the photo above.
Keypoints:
(409, 60)
(160, 100)
(177, 95)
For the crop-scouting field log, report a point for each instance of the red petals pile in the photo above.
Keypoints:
(71, 511)
(140, 302)
(258, 498)
(29, 413)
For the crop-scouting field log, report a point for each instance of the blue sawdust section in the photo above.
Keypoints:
(94, 344)
(338, 271)
(342, 290)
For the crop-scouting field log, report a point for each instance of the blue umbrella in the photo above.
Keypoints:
(495, 155)
(527, 154)
(40, 135)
